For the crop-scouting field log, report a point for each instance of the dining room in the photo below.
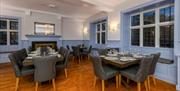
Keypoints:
(89, 45)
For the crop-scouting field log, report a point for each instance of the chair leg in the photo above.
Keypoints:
(94, 84)
(148, 81)
(146, 85)
(138, 86)
(36, 88)
(117, 81)
(54, 86)
(88, 57)
(17, 83)
(73, 58)
(79, 59)
(154, 79)
(65, 71)
(127, 80)
(103, 85)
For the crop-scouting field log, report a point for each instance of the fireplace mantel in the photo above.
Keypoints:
(55, 36)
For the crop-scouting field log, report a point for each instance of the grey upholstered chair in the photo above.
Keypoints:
(76, 52)
(45, 69)
(87, 52)
(102, 72)
(140, 74)
(102, 51)
(63, 64)
(153, 67)
(19, 68)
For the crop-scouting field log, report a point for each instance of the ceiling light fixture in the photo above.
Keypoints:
(52, 5)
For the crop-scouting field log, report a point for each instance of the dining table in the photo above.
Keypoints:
(31, 55)
(122, 60)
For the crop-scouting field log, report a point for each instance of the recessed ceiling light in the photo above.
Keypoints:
(52, 5)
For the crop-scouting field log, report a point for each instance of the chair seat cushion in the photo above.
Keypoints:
(110, 72)
(29, 69)
(130, 72)
(60, 64)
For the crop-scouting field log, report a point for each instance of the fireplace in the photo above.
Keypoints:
(36, 44)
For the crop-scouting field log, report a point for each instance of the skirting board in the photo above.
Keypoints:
(178, 88)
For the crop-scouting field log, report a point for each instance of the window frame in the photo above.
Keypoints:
(157, 25)
(101, 31)
(8, 30)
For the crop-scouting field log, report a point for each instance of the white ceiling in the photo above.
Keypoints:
(74, 8)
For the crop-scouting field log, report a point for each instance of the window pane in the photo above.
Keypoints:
(149, 18)
(44, 28)
(103, 37)
(135, 20)
(149, 37)
(3, 38)
(135, 33)
(167, 36)
(98, 38)
(103, 26)
(98, 27)
(13, 25)
(13, 38)
(167, 14)
(3, 24)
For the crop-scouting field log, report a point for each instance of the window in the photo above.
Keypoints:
(101, 32)
(135, 37)
(44, 28)
(167, 27)
(149, 18)
(149, 37)
(135, 20)
(8, 31)
(155, 27)
(3, 38)
(167, 14)
(167, 36)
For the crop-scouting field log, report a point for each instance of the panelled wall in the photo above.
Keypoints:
(177, 41)
(166, 72)
(69, 27)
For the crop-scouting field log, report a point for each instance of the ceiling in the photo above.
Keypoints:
(73, 8)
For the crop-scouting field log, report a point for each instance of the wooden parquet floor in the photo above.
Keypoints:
(80, 78)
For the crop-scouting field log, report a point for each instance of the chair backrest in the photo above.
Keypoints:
(90, 48)
(103, 51)
(67, 46)
(66, 57)
(76, 50)
(44, 68)
(144, 69)
(155, 60)
(62, 51)
(44, 50)
(29, 49)
(16, 66)
(97, 64)
(21, 54)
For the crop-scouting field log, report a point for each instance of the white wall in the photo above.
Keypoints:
(114, 17)
(72, 29)
(27, 21)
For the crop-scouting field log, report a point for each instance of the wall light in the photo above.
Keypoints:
(85, 31)
(113, 27)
